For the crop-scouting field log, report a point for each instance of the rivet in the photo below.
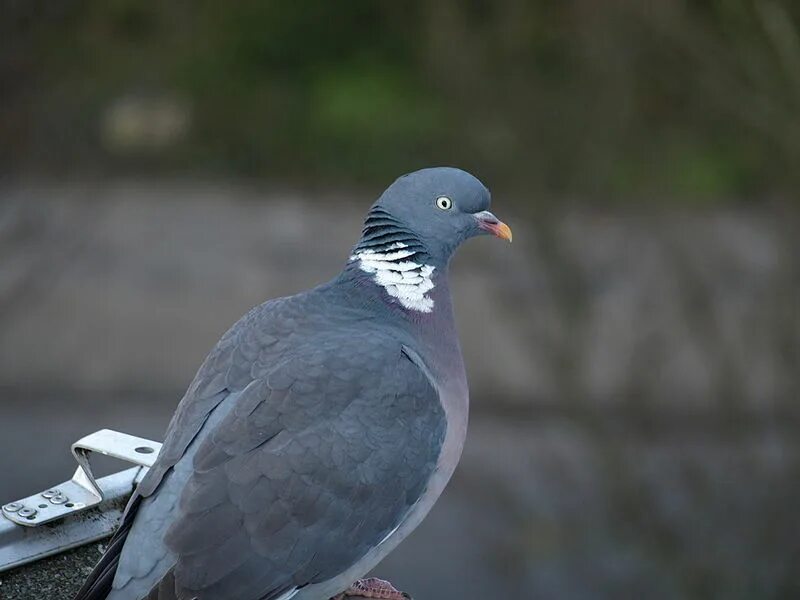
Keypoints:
(50, 493)
(60, 499)
(26, 512)
(13, 507)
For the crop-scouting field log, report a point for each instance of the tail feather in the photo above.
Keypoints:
(98, 585)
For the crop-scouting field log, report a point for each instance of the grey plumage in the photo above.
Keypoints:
(319, 430)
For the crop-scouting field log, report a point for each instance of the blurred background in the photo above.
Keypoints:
(634, 357)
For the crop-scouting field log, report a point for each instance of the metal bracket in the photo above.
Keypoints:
(82, 491)
(23, 545)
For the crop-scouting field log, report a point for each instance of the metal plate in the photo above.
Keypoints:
(132, 449)
(82, 491)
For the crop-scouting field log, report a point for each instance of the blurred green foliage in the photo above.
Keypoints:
(619, 100)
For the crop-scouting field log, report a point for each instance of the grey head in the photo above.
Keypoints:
(435, 209)
(412, 230)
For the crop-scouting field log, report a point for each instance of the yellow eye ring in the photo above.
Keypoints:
(444, 203)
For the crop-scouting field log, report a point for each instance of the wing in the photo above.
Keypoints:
(260, 338)
(321, 458)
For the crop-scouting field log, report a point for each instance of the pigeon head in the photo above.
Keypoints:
(416, 225)
(432, 210)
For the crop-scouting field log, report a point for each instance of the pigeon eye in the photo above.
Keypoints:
(444, 203)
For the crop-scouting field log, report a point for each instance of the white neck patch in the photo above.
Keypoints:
(405, 280)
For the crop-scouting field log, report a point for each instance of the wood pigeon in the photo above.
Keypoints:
(321, 428)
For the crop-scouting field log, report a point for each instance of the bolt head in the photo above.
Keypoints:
(13, 507)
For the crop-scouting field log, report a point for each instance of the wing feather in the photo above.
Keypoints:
(294, 487)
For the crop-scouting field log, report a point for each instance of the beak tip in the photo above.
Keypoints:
(504, 232)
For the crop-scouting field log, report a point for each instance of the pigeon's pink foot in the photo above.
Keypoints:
(372, 587)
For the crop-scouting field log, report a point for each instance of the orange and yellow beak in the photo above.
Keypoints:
(491, 224)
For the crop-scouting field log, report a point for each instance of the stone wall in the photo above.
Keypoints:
(635, 386)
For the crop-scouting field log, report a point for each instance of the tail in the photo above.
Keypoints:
(98, 585)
